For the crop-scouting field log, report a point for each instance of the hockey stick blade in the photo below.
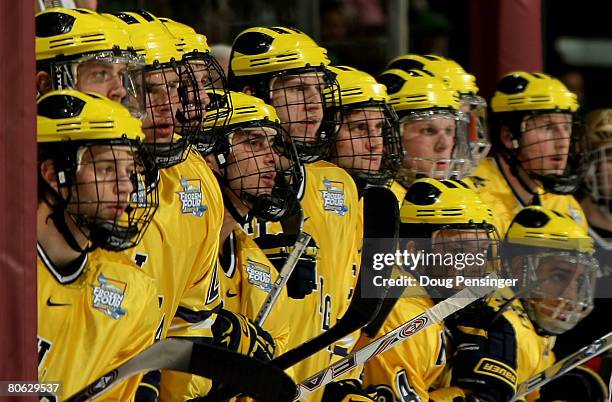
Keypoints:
(564, 365)
(263, 382)
(283, 276)
(393, 338)
(381, 219)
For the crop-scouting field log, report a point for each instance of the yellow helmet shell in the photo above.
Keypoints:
(190, 40)
(244, 109)
(72, 32)
(416, 90)
(536, 226)
(522, 91)
(262, 50)
(150, 36)
(443, 202)
(78, 116)
(357, 87)
(448, 70)
(599, 127)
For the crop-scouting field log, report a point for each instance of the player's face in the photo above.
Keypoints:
(360, 143)
(567, 288)
(253, 162)
(428, 144)
(545, 143)
(162, 104)
(603, 172)
(103, 78)
(103, 182)
(298, 101)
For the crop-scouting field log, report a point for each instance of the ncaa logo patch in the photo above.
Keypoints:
(191, 197)
(108, 296)
(333, 197)
(259, 275)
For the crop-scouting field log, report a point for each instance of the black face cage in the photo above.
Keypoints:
(368, 148)
(301, 105)
(210, 90)
(559, 168)
(174, 111)
(261, 167)
(107, 188)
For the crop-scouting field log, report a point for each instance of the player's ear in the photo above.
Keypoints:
(47, 171)
(411, 247)
(212, 162)
(506, 138)
(43, 82)
(249, 90)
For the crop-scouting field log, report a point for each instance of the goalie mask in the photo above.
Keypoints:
(452, 228)
(95, 177)
(210, 85)
(258, 165)
(81, 49)
(551, 256)
(458, 79)
(537, 131)
(598, 183)
(368, 144)
(173, 100)
(287, 69)
(432, 128)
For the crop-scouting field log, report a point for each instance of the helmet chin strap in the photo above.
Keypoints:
(228, 203)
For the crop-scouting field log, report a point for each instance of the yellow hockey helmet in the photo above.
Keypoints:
(75, 130)
(416, 90)
(150, 37)
(443, 202)
(520, 91)
(356, 87)
(190, 40)
(86, 117)
(550, 255)
(260, 51)
(448, 70)
(64, 33)
(537, 226)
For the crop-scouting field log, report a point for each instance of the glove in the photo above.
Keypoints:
(485, 360)
(148, 390)
(303, 279)
(346, 391)
(580, 384)
(239, 334)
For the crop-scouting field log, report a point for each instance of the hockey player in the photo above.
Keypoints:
(287, 69)
(408, 371)
(259, 174)
(92, 315)
(508, 338)
(459, 80)
(368, 144)
(540, 153)
(433, 131)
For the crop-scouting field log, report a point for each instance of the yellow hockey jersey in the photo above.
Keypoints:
(246, 279)
(92, 318)
(533, 352)
(331, 216)
(180, 247)
(494, 190)
(408, 370)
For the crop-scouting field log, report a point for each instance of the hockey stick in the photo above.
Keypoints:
(564, 365)
(253, 377)
(381, 218)
(283, 276)
(393, 338)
